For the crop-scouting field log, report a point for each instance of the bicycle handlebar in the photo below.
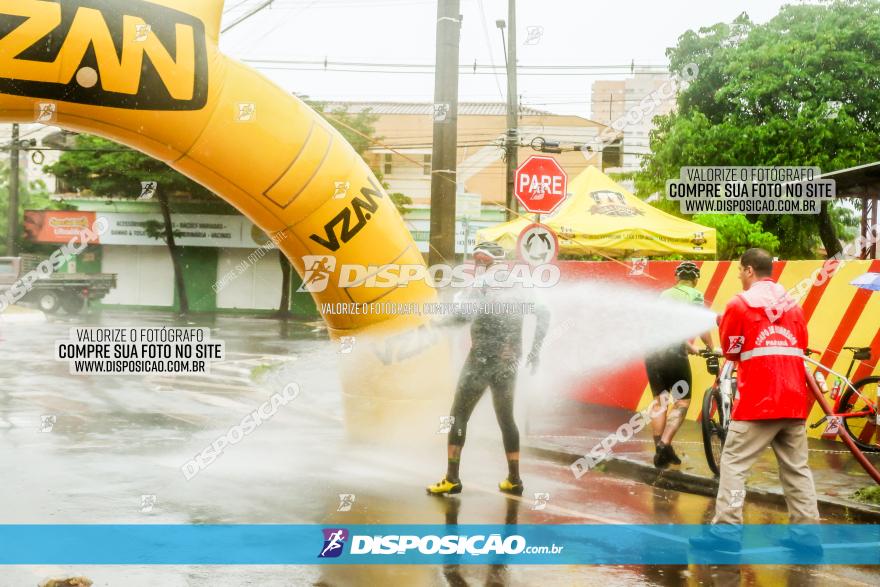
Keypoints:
(853, 349)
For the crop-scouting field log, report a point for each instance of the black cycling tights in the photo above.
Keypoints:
(476, 376)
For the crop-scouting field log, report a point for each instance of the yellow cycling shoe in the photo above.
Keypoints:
(512, 488)
(444, 487)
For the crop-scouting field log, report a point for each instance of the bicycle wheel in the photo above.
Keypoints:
(714, 429)
(848, 440)
(862, 428)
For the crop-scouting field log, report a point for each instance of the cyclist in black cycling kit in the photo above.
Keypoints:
(493, 361)
(669, 366)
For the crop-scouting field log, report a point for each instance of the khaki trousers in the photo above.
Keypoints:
(745, 442)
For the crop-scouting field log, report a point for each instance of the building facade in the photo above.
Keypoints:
(404, 145)
(229, 265)
(629, 106)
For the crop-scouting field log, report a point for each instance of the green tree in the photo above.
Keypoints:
(100, 167)
(735, 234)
(358, 129)
(801, 89)
(31, 195)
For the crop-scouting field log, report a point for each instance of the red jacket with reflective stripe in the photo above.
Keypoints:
(768, 342)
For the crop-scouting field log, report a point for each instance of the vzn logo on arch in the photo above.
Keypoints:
(146, 56)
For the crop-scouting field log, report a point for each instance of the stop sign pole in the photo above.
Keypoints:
(541, 184)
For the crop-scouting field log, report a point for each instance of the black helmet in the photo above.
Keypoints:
(490, 252)
(687, 270)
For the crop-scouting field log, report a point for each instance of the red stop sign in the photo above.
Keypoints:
(541, 184)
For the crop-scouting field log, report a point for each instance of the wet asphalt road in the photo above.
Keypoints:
(116, 439)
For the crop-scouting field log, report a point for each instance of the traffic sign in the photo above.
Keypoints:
(537, 244)
(541, 184)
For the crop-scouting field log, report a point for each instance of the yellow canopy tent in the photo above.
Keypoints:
(601, 217)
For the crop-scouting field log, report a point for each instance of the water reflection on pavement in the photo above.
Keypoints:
(116, 439)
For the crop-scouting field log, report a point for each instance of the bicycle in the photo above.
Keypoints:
(717, 406)
(855, 416)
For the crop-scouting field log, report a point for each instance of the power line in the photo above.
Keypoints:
(286, 4)
(69, 150)
(598, 102)
(489, 47)
(32, 131)
(405, 72)
(243, 18)
(281, 21)
(232, 8)
(379, 145)
(462, 66)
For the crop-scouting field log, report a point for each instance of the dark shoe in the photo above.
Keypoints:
(661, 457)
(715, 543)
(511, 487)
(670, 453)
(803, 545)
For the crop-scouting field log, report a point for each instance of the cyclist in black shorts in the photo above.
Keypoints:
(669, 366)
(493, 362)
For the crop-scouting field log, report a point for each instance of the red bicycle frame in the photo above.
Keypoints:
(856, 452)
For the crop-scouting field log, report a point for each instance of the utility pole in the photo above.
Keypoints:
(12, 231)
(445, 147)
(512, 142)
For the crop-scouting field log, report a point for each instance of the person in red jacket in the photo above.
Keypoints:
(766, 335)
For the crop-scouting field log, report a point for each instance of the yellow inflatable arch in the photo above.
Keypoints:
(149, 75)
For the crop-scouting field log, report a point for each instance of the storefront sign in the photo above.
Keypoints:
(190, 230)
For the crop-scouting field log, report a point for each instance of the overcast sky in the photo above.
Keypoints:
(575, 32)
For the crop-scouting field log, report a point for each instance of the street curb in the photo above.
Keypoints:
(697, 484)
